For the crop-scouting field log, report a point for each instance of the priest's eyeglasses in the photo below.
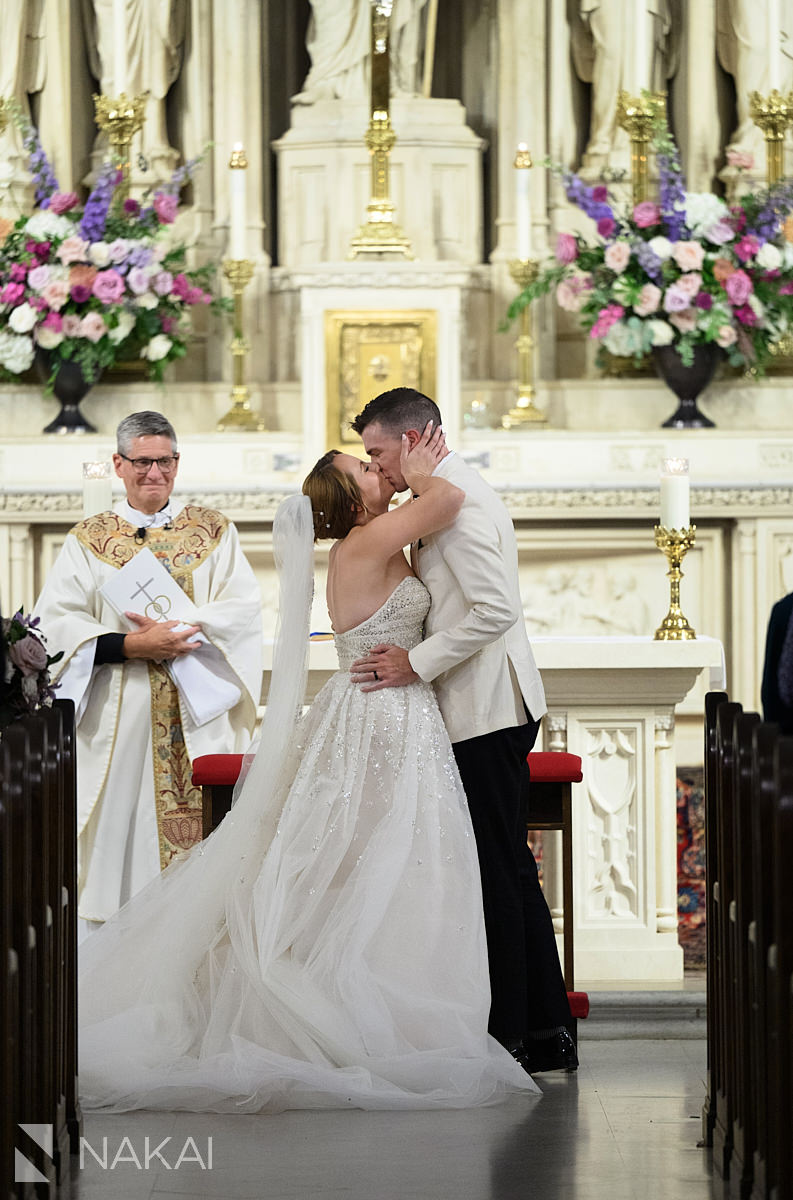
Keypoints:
(143, 465)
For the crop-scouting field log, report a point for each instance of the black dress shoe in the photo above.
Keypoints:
(555, 1053)
(518, 1052)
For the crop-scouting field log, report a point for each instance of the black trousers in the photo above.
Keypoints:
(526, 982)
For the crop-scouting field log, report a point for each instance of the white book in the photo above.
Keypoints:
(206, 682)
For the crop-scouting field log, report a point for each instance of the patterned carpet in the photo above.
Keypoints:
(691, 865)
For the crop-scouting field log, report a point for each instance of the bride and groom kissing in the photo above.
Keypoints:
(331, 943)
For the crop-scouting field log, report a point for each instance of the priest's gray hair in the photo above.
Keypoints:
(143, 424)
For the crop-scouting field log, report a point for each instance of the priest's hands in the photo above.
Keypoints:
(158, 641)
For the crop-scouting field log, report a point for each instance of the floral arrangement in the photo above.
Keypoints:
(98, 282)
(26, 684)
(687, 270)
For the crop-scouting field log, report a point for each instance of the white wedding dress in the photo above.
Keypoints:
(325, 947)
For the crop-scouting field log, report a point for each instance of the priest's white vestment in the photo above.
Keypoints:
(136, 740)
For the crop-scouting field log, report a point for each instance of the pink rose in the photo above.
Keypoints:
(726, 336)
(646, 214)
(63, 202)
(607, 317)
(162, 283)
(165, 207)
(570, 294)
(12, 293)
(720, 232)
(747, 247)
(56, 294)
(689, 284)
(138, 280)
(71, 325)
(28, 655)
(38, 278)
(685, 321)
(649, 299)
(108, 287)
(93, 327)
(54, 321)
(617, 256)
(19, 273)
(566, 248)
(606, 226)
(689, 256)
(72, 249)
(675, 301)
(745, 314)
(738, 287)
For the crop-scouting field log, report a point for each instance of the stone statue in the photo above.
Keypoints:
(603, 39)
(22, 73)
(338, 43)
(741, 46)
(155, 41)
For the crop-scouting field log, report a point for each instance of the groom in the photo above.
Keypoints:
(477, 655)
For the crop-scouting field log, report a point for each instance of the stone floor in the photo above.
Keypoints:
(624, 1127)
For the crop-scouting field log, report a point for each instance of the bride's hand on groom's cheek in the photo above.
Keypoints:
(384, 666)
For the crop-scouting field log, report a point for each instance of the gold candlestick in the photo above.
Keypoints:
(240, 417)
(772, 113)
(380, 234)
(120, 119)
(524, 271)
(674, 543)
(635, 114)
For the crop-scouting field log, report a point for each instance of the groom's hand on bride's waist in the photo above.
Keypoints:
(384, 666)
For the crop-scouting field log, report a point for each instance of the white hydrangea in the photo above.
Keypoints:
(787, 255)
(45, 225)
(662, 332)
(23, 318)
(126, 323)
(703, 209)
(16, 352)
(623, 341)
(661, 246)
(157, 348)
(769, 257)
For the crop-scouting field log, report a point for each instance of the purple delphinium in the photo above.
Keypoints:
(584, 197)
(40, 168)
(648, 260)
(672, 194)
(97, 206)
(181, 175)
(778, 204)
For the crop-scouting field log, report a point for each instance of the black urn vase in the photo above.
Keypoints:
(70, 387)
(687, 382)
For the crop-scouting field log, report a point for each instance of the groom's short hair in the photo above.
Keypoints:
(397, 410)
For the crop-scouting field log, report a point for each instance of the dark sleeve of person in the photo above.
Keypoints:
(774, 708)
(109, 649)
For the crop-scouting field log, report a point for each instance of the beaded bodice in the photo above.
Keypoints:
(399, 621)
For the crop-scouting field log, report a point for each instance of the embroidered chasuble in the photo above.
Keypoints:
(137, 807)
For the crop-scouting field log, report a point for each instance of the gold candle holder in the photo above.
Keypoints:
(636, 114)
(524, 271)
(674, 543)
(380, 235)
(240, 417)
(772, 114)
(120, 119)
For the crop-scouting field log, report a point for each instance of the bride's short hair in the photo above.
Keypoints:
(335, 498)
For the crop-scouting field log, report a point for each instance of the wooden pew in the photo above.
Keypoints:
(9, 989)
(780, 968)
(712, 702)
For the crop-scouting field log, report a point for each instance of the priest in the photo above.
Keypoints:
(140, 721)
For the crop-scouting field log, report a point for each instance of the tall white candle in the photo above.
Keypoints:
(641, 40)
(119, 46)
(675, 511)
(774, 37)
(238, 219)
(522, 200)
(97, 488)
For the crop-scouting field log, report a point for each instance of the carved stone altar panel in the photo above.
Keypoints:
(612, 823)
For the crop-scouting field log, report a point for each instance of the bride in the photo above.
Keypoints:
(325, 946)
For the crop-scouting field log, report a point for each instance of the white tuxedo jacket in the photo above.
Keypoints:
(475, 652)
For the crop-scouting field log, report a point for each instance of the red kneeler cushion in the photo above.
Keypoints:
(579, 1005)
(554, 766)
(216, 770)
